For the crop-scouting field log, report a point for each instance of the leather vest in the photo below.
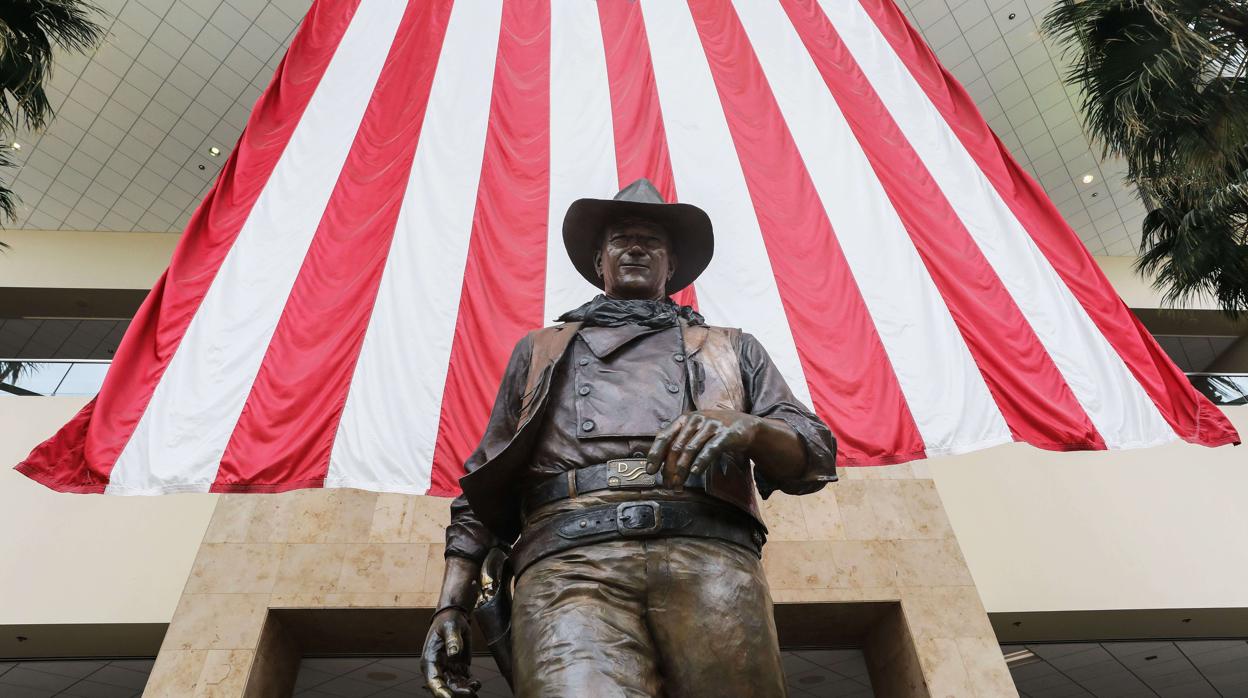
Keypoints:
(714, 377)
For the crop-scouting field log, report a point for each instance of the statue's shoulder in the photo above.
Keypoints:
(733, 333)
(555, 329)
(548, 343)
(713, 339)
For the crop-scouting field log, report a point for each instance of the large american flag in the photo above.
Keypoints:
(340, 308)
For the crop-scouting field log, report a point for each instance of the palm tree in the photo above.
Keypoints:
(29, 31)
(1163, 86)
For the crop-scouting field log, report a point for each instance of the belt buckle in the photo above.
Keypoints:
(638, 518)
(629, 473)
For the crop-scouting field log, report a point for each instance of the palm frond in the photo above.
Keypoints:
(29, 31)
(1164, 85)
(8, 198)
(1162, 82)
(1195, 243)
(10, 371)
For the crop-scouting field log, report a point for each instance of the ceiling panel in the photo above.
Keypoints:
(996, 50)
(129, 147)
(1191, 669)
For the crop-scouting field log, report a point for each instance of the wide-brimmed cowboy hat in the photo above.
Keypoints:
(688, 227)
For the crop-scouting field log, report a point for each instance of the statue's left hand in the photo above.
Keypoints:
(696, 440)
(446, 656)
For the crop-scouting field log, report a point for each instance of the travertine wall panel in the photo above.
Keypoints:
(880, 534)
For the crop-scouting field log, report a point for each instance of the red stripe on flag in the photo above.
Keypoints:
(852, 383)
(1189, 413)
(1033, 396)
(80, 457)
(504, 280)
(286, 430)
(640, 139)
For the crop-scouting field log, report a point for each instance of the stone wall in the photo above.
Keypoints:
(879, 536)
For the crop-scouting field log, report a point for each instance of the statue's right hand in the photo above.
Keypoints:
(447, 655)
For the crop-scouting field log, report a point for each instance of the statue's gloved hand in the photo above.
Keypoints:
(447, 655)
(696, 440)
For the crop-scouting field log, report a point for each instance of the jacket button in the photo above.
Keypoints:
(584, 361)
(678, 357)
(587, 425)
(638, 454)
(673, 388)
(584, 390)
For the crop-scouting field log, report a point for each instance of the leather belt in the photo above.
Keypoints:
(617, 474)
(640, 519)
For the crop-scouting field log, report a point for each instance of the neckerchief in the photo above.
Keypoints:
(614, 312)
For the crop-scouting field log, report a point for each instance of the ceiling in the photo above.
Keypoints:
(1193, 669)
(996, 50)
(129, 149)
(58, 338)
(809, 674)
(1183, 669)
(1195, 353)
(81, 678)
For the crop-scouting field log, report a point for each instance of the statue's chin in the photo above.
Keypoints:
(639, 296)
(635, 291)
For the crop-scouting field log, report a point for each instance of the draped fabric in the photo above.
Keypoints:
(340, 308)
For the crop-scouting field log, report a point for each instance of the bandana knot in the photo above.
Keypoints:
(614, 312)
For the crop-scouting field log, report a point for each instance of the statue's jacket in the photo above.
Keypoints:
(574, 396)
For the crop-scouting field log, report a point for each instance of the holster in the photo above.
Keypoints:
(493, 611)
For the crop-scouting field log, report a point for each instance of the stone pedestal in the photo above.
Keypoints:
(875, 551)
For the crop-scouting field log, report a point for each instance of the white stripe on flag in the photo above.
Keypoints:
(582, 141)
(1115, 402)
(933, 365)
(178, 443)
(739, 287)
(389, 425)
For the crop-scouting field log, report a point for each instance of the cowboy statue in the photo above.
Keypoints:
(615, 474)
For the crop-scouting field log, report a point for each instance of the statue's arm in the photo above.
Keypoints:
(790, 429)
(446, 654)
(466, 536)
(778, 446)
(791, 447)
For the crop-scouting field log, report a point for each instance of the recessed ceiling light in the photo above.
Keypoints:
(214, 151)
(1087, 179)
(15, 145)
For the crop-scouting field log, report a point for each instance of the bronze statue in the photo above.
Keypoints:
(615, 472)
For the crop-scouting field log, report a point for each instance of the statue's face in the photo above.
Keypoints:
(635, 260)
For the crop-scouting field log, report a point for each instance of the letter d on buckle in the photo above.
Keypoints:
(629, 473)
(638, 518)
